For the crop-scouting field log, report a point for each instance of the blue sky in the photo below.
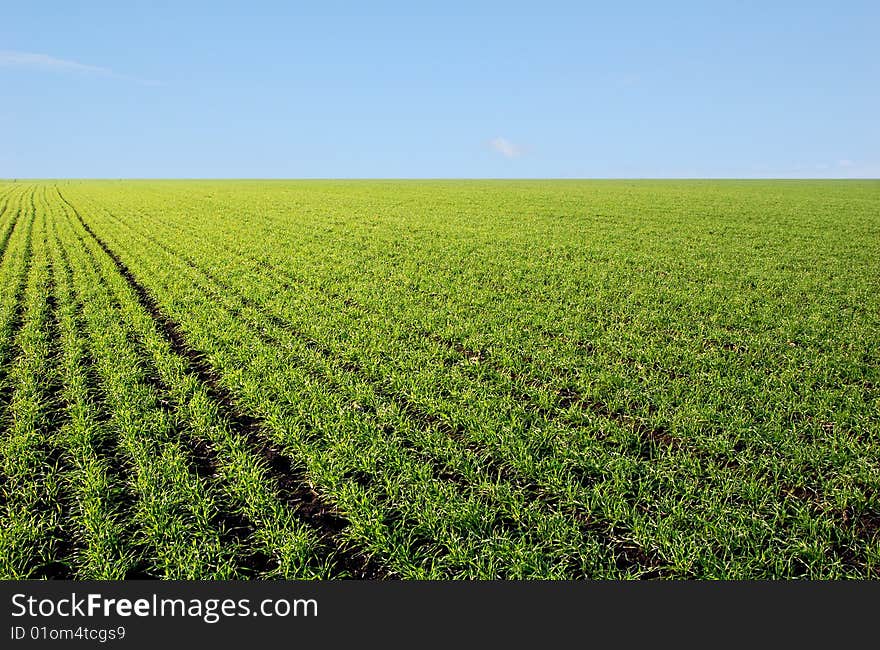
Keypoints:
(452, 89)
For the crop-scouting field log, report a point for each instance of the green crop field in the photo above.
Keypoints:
(440, 379)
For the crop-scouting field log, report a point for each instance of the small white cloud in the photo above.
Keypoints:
(10, 58)
(28, 59)
(845, 163)
(505, 147)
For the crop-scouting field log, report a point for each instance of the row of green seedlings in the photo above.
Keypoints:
(15, 265)
(13, 260)
(203, 505)
(250, 485)
(397, 508)
(756, 488)
(31, 535)
(10, 208)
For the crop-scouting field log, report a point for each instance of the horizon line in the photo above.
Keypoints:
(437, 178)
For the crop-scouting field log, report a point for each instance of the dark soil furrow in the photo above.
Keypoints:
(234, 527)
(294, 488)
(199, 456)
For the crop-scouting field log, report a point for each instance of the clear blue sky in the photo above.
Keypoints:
(454, 89)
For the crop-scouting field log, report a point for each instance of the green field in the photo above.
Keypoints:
(440, 379)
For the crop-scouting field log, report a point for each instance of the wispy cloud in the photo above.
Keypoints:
(505, 147)
(9, 58)
(31, 60)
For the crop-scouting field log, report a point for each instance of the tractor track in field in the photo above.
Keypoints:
(293, 488)
(628, 555)
(234, 528)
